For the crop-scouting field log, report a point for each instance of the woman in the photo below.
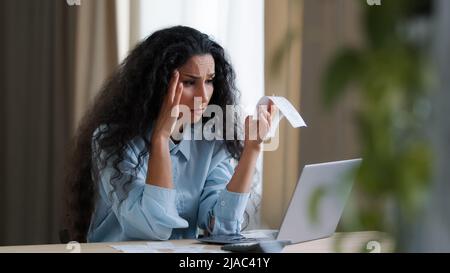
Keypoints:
(130, 179)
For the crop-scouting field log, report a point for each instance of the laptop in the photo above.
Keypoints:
(315, 207)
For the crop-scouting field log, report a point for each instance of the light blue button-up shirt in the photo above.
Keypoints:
(201, 170)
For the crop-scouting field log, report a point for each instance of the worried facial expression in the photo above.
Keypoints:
(197, 76)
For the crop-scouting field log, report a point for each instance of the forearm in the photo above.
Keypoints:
(159, 171)
(242, 178)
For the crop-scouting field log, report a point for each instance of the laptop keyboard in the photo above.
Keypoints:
(227, 239)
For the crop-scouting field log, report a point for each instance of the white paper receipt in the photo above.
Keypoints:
(286, 109)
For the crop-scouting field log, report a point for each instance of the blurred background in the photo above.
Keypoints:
(370, 78)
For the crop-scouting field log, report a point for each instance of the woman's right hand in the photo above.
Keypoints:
(168, 115)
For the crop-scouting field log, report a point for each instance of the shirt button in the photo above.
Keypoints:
(222, 203)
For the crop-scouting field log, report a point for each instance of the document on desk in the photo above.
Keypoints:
(162, 247)
(285, 109)
(134, 248)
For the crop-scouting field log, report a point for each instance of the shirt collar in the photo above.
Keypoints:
(183, 146)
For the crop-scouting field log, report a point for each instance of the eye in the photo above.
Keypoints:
(210, 81)
(188, 83)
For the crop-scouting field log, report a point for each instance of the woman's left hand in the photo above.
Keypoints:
(255, 133)
(257, 130)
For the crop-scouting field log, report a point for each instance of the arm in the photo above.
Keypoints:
(242, 178)
(159, 171)
(221, 208)
(255, 132)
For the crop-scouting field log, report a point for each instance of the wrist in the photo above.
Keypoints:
(159, 141)
(159, 138)
(252, 146)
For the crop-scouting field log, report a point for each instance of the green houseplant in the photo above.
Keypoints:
(390, 74)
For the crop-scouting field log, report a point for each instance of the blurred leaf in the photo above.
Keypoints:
(343, 69)
(392, 77)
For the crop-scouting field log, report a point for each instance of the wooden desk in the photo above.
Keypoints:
(349, 242)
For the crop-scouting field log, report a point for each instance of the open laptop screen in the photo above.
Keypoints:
(315, 207)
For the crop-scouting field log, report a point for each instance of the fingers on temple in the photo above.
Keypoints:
(178, 94)
(173, 85)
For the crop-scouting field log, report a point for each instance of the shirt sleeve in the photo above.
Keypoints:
(225, 207)
(144, 211)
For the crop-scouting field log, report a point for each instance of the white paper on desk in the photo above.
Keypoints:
(153, 247)
(162, 247)
(134, 248)
(174, 248)
(285, 109)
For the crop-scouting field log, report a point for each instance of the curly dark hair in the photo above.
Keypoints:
(129, 103)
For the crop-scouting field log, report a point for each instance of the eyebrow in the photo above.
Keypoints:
(198, 77)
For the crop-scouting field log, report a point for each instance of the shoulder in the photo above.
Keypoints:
(133, 147)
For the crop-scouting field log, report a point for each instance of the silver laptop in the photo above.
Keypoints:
(315, 207)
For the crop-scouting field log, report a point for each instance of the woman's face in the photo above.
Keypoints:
(197, 76)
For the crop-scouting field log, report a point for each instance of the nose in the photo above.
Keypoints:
(202, 92)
